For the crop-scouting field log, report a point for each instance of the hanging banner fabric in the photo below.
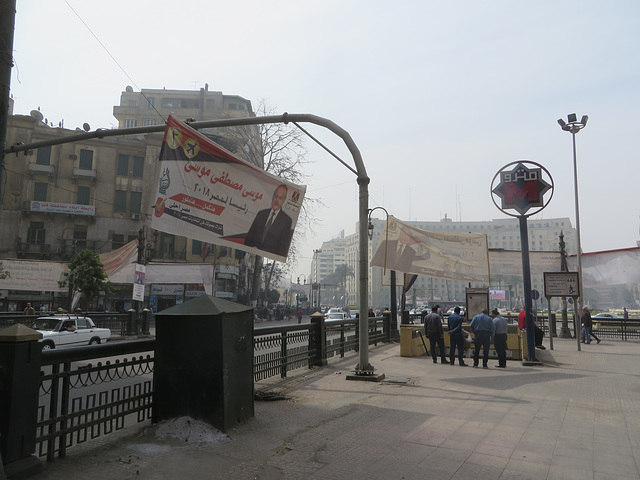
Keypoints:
(115, 260)
(207, 194)
(612, 267)
(455, 256)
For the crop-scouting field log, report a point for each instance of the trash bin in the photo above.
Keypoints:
(204, 362)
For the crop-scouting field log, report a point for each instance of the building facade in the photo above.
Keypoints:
(96, 194)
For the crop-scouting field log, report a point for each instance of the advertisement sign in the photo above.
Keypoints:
(66, 208)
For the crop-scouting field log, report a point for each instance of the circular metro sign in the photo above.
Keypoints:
(521, 187)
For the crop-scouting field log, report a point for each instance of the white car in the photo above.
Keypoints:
(334, 316)
(69, 330)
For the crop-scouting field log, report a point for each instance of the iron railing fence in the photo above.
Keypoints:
(81, 401)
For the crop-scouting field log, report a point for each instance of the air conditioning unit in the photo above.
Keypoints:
(135, 216)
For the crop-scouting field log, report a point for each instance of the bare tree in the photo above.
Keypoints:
(280, 150)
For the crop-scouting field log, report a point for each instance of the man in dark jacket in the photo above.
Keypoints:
(435, 333)
(456, 338)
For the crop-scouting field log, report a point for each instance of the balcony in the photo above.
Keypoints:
(82, 173)
(36, 251)
(44, 169)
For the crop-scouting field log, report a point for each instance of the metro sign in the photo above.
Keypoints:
(521, 188)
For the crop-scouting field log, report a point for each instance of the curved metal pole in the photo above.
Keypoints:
(363, 367)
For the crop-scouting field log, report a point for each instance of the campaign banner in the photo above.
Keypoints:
(205, 193)
(454, 256)
(138, 282)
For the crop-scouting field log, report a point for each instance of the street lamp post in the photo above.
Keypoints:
(304, 282)
(393, 300)
(315, 279)
(574, 126)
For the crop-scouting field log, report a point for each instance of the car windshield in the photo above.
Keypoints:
(45, 323)
(335, 316)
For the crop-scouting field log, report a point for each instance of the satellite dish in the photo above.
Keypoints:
(86, 127)
(37, 114)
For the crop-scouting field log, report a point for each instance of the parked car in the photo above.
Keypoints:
(69, 330)
(334, 316)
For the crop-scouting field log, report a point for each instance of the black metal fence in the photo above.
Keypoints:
(81, 401)
(88, 392)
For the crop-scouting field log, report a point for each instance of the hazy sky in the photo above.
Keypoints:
(438, 96)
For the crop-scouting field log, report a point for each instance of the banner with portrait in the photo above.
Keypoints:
(454, 256)
(205, 193)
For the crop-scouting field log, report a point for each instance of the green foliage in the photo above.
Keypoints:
(86, 275)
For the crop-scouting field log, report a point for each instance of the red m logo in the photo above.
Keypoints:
(513, 191)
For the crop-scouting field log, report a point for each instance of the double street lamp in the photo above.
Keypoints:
(573, 126)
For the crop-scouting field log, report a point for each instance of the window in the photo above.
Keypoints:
(196, 247)
(136, 202)
(148, 122)
(40, 192)
(117, 241)
(150, 102)
(122, 168)
(84, 194)
(138, 167)
(120, 203)
(233, 106)
(171, 103)
(36, 233)
(44, 156)
(86, 159)
(80, 237)
(130, 122)
(132, 102)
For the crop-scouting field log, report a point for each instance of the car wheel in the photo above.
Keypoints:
(94, 341)
(48, 346)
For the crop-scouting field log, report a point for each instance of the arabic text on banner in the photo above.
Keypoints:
(207, 194)
(455, 256)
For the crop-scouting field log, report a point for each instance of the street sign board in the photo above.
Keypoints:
(561, 284)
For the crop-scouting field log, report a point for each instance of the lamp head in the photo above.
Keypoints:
(370, 229)
(572, 118)
(561, 122)
(584, 120)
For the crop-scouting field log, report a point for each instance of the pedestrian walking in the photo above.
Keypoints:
(456, 337)
(482, 328)
(585, 319)
(500, 329)
(435, 333)
(29, 310)
(299, 314)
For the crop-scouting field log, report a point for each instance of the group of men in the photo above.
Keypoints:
(486, 330)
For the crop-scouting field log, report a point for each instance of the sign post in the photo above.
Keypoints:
(521, 188)
(563, 284)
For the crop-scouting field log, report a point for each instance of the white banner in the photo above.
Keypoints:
(33, 275)
(455, 256)
(612, 267)
(207, 194)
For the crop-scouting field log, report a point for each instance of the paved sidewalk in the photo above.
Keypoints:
(575, 417)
